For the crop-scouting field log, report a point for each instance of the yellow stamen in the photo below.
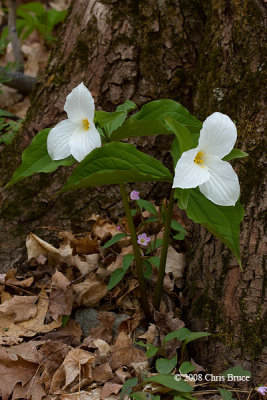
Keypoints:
(86, 124)
(199, 158)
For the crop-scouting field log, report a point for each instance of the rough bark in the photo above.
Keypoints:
(207, 55)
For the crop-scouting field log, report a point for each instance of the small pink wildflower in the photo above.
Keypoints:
(134, 195)
(143, 239)
(118, 228)
(262, 390)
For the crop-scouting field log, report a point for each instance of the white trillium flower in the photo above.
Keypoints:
(76, 135)
(203, 166)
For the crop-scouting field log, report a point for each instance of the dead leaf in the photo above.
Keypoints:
(102, 373)
(124, 353)
(32, 326)
(70, 368)
(15, 371)
(110, 388)
(70, 334)
(89, 292)
(122, 373)
(22, 308)
(33, 389)
(24, 283)
(150, 334)
(104, 329)
(119, 260)
(85, 245)
(104, 228)
(61, 297)
(37, 246)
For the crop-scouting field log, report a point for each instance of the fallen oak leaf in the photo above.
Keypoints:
(61, 297)
(89, 292)
(22, 308)
(32, 326)
(110, 388)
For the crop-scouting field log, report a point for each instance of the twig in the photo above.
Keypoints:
(13, 35)
(23, 83)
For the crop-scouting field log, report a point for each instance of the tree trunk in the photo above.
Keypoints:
(206, 55)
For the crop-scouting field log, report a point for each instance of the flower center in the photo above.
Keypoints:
(199, 158)
(86, 124)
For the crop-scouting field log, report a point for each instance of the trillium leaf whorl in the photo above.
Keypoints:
(204, 167)
(76, 135)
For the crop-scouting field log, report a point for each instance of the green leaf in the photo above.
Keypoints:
(65, 319)
(237, 371)
(151, 350)
(115, 278)
(226, 394)
(154, 245)
(179, 236)
(147, 206)
(150, 220)
(36, 159)
(182, 195)
(110, 121)
(117, 163)
(4, 113)
(127, 387)
(221, 221)
(186, 367)
(147, 270)
(136, 128)
(183, 134)
(127, 106)
(114, 240)
(180, 334)
(170, 382)
(235, 153)
(127, 261)
(154, 260)
(144, 396)
(177, 227)
(195, 335)
(175, 151)
(165, 366)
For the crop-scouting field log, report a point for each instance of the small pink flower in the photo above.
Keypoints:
(143, 239)
(118, 228)
(262, 390)
(134, 195)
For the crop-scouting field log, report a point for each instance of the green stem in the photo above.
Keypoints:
(164, 252)
(137, 255)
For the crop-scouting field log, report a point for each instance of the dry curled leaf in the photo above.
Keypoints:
(110, 388)
(89, 292)
(61, 297)
(124, 353)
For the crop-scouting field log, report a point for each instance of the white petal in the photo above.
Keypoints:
(218, 135)
(80, 104)
(188, 174)
(58, 140)
(83, 142)
(223, 187)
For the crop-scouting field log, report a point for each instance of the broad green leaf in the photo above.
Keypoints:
(135, 128)
(180, 334)
(127, 261)
(175, 151)
(165, 366)
(221, 221)
(144, 396)
(195, 335)
(151, 350)
(149, 220)
(33, 7)
(188, 121)
(147, 269)
(177, 227)
(154, 260)
(36, 159)
(147, 206)
(179, 236)
(170, 382)
(183, 134)
(117, 163)
(127, 387)
(186, 367)
(235, 153)
(115, 278)
(226, 394)
(4, 113)
(114, 239)
(110, 121)
(127, 106)
(237, 371)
